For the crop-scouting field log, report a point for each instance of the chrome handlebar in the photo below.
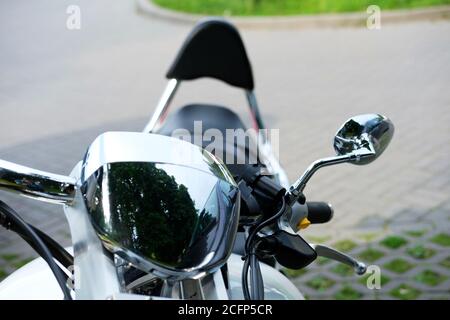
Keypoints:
(37, 184)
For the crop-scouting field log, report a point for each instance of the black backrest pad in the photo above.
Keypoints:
(213, 49)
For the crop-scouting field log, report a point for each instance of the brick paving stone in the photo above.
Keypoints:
(425, 278)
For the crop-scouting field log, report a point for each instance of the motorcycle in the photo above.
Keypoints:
(168, 213)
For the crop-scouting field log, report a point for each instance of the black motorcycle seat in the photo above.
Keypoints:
(215, 117)
(211, 116)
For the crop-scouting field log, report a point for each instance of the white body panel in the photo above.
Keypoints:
(35, 281)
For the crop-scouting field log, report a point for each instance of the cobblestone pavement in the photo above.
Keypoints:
(412, 254)
(59, 89)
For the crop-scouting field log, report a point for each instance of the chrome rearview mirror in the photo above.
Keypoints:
(360, 140)
(362, 134)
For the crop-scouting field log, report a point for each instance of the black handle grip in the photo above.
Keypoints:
(319, 212)
(269, 187)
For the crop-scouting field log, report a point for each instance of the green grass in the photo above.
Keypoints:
(3, 274)
(9, 257)
(322, 260)
(371, 255)
(405, 292)
(317, 239)
(287, 7)
(348, 293)
(398, 266)
(394, 242)
(429, 277)
(21, 263)
(344, 245)
(320, 283)
(421, 252)
(343, 270)
(368, 237)
(292, 273)
(441, 239)
(445, 263)
(416, 233)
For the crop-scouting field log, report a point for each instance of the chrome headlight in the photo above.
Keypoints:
(164, 205)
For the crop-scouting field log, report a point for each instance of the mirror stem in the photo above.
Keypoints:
(297, 188)
(36, 184)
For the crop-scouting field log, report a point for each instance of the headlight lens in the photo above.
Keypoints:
(171, 216)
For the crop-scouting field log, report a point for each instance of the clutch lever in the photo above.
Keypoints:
(333, 254)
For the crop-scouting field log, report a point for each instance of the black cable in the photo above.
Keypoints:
(251, 260)
(42, 249)
(263, 224)
(256, 278)
(251, 263)
(57, 251)
(244, 279)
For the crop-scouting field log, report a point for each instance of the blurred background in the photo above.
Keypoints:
(60, 88)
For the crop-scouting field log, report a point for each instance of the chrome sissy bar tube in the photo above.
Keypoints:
(162, 106)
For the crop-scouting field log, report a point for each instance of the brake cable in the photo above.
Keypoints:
(11, 218)
(57, 251)
(251, 259)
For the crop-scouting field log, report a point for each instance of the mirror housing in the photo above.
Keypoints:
(360, 140)
(362, 133)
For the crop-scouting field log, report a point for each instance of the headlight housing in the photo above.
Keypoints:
(172, 215)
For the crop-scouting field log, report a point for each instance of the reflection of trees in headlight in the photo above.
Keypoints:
(156, 214)
(149, 213)
(171, 215)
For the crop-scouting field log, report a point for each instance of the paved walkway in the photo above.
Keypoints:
(411, 253)
(59, 89)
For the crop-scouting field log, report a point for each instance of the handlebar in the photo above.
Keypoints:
(36, 184)
(319, 212)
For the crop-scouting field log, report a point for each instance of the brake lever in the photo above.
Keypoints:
(327, 252)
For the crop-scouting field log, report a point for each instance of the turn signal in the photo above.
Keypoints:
(303, 224)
